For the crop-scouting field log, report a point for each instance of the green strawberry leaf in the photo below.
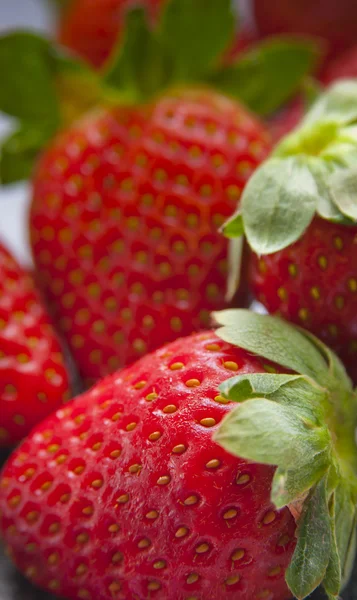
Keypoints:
(265, 77)
(343, 188)
(18, 153)
(250, 385)
(234, 227)
(27, 91)
(278, 204)
(332, 579)
(337, 105)
(139, 67)
(313, 550)
(289, 485)
(326, 207)
(346, 519)
(195, 33)
(273, 339)
(265, 432)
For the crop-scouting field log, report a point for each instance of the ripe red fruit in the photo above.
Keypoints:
(334, 22)
(124, 494)
(92, 27)
(125, 217)
(314, 283)
(33, 378)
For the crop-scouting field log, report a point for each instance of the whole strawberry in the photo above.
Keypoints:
(33, 378)
(124, 493)
(299, 213)
(128, 200)
(91, 28)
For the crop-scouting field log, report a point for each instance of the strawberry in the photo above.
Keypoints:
(124, 493)
(33, 378)
(125, 231)
(91, 27)
(128, 200)
(299, 213)
(334, 22)
(344, 66)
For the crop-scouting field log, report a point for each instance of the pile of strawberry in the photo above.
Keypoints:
(208, 464)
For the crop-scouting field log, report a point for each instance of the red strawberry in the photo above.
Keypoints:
(331, 20)
(91, 27)
(124, 494)
(33, 379)
(300, 216)
(344, 66)
(125, 217)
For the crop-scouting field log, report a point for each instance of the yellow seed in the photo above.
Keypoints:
(32, 516)
(303, 314)
(169, 409)
(54, 584)
(97, 446)
(181, 532)
(159, 564)
(65, 498)
(31, 572)
(81, 569)
(116, 417)
(192, 383)
(282, 293)
(30, 548)
(191, 500)
(269, 517)
(114, 528)
(293, 270)
(230, 514)
(79, 470)
(208, 422)
(154, 436)
(352, 284)
(97, 483)
(232, 579)
(339, 302)
(202, 548)
(152, 396)
(123, 499)
(46, 486)
(82, 538)
(114, 587)
(144, 543)
(84, 594)
(135, 468)
(221, 400)
(213, 347)
(338, 243)
(322, 262)
(61, 459)
(117, 557)
(179, 449)
(131, 426)
(274, 571)
(115, 453)
(263, 594)
(54, 528)
(88, 510)
(192, 578)
(238, 554)
(176, 366)
(153, 586)
(19, 420)
(213, 464)
(164, 480)
(231, 365)
(152, 514)
(315, 293)
(140, 385)
(284, 540)
(53, 559)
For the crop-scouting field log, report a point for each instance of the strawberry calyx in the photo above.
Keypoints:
(311, 172)
(44, 88)
(303, 423)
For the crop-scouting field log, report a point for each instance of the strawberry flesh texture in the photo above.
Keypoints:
(314, 283)
(125, 219)
(33, 379)
(123, 494)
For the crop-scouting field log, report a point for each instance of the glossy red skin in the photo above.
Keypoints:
(344, 66)
(92, 27)
(120, 416)
(130, 275)
(334, 21)
(292, 293)
(33, 378)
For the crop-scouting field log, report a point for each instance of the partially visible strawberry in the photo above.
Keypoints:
(33, 378)
(333, 21)
(91, 28)
(299, 212)
(343, 66)
(124, 494)
(125, 217)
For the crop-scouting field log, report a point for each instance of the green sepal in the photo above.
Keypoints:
(337, 105)
(265, 77)
(273, 339)
(333, 577)
(138, 68)
(196, 33)
(27, 91)
(18, 153)
(343, 189)
(313, 549)
(291, 484)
